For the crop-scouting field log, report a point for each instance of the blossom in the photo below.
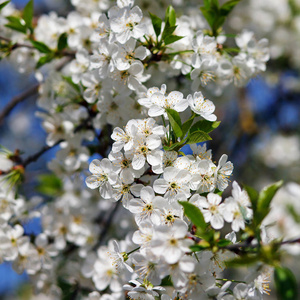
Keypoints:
(103, 177)
(201, 106)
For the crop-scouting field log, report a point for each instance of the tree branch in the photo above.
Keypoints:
(17, 99)
(36, 156)
(107, 225)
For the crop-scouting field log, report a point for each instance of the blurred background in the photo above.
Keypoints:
(260, 129)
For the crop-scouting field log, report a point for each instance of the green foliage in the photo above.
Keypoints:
(261, 201)
(205, 126)
(16, 24)
(286, 284)
(62, 42)
(49, 185)
(175, 121)
(215, 14)
(172, 39)
(194, 214)
(167, 36)
(28, 15)
(187, 125)
(3, 4)
(44, 59)
(197, 137)
(41, 47)
(69, 80)
(156, 22)
(243, 260)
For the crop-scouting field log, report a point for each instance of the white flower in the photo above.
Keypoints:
(103, 177)
(160, 102)
(201, 106)
(126, 54)
(124, 138)
(175, 181)
(204, 47)
(126, 24)
(146, 208)
(222, 172)
(171, 242)
(212, 209)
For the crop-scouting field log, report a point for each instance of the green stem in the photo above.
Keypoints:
(133, 250)
(232, 280)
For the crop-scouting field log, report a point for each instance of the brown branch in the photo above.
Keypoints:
(26, 94)
(36, 156)
(106, 227)
(17, 99)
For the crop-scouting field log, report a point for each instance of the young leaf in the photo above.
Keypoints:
(49, 184)
(187, 125)
(243, 260)
(175, 121)
(265, 197)
(15, 24)
(28, 14)
(2, 5)
(69, 80)
(194, 214)
(172, 39)
(44, 59)
(227, 7)
(205, 126)
(168, 30)
(40, 46)
(253, 195)
(62, 42)
(156, 22)
(197, 137)
(170, 16)
(286, 284)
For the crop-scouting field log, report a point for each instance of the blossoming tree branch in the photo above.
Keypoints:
(143, 220)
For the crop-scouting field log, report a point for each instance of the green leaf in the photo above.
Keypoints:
(44, 59)
(208, 15)
(69, 80)
(253, 195)
(294, 214)
(15, 24)
(197, 137)
(62, 42)
(187, 125)
(224, 243)
(41, 47)
(170, 16)
(156, 22)
(2, 5)
(265, 197)
(172, 39)
(167, 31)
(227, 7)
(286, 284)
(194, 214)
(28, 14)
(205, 126)
(175, 121)
(244, 260)
(49, 185)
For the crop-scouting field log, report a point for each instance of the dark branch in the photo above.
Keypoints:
(36, 156)
(106, 227)
(10, 106)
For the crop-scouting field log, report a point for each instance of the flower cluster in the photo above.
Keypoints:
(144, 148)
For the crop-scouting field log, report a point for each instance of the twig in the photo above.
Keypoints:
(107, 225)
(30, 92)
(17, 99)
(35, 156)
